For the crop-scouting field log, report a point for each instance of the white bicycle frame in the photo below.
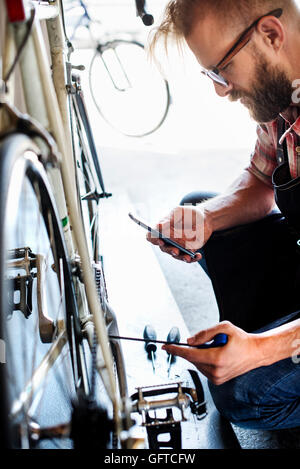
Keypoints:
(47, 102)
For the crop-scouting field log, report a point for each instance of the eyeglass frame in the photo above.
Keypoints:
(243, 40)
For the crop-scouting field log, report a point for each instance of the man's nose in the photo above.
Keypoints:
(222, 90)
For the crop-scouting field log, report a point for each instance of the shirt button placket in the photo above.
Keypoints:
(298, 157)
(293, 156)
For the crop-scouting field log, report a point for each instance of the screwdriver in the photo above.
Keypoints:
(150, 345)
(173, 337)
(218, 341)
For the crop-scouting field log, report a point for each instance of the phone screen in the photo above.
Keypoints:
(159, 235)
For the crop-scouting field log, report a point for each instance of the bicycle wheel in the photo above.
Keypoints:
(128, 92)
(43, 368)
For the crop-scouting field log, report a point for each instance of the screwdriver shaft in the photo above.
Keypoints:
(222, 342)
(164, 342)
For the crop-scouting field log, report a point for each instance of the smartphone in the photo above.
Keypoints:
(159, 235)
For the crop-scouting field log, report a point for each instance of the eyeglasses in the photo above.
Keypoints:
(243, 40)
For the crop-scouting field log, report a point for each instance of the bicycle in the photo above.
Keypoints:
(55, 316)
(60, 267)
(121, 78)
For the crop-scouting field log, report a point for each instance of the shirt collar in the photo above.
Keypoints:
(292, 117)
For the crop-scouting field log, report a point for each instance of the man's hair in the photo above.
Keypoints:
(181, 15)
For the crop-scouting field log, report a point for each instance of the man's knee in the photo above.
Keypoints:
(250, 402)
(233, 403)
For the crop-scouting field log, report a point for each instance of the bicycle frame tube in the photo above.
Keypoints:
(42, 105)
(59, 80)
(8, 55)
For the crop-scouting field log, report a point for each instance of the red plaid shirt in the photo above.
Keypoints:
(263, 161)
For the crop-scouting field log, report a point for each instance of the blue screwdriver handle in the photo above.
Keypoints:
(218, 341)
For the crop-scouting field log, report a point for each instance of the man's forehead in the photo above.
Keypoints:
(210, 39)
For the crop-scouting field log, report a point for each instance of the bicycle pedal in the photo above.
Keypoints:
(143, 405)
(156, 425)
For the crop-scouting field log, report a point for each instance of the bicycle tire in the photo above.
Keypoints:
(130, 114)
(30, 221)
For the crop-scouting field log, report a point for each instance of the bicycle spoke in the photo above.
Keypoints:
(93, 221)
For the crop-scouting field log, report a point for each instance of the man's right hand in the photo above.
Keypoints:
(186, 226)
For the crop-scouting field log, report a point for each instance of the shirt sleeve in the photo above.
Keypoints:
(263, 160)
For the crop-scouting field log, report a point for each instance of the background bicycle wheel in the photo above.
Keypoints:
(128, 91)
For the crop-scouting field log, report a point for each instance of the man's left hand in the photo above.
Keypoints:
(241, 354)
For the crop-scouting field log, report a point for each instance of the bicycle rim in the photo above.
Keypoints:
(41, 373)
(128, 92)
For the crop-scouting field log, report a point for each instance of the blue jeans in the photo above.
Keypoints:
(255, 274)
(265, 398)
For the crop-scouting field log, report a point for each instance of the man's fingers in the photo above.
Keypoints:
(154, 240)
(201, 337)
(208, 334)
(191, 260)
(187, 353)
(173, 251)
(170, 250)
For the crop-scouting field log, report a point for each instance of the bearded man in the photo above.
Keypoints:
(248, 238)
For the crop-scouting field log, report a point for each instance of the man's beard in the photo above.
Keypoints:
(271, 95)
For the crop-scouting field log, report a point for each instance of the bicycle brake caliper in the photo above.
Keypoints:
(24, 260)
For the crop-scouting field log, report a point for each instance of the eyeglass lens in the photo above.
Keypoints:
(215, 77)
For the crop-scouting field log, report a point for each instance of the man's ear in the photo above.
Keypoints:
(272, 32)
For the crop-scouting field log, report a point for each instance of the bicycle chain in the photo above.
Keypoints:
(102, 295)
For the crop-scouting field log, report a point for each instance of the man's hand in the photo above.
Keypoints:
(186, 226)
(241, 354)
